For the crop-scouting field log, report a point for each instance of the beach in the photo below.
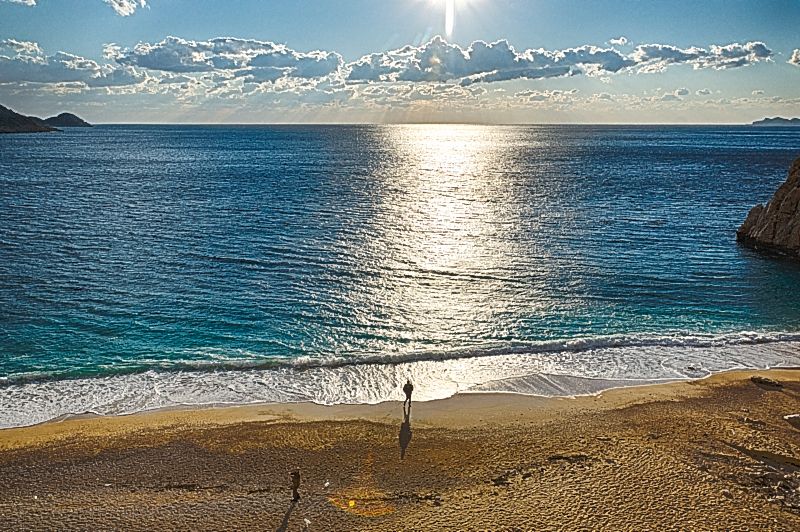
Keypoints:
(232, 241)
(716, 453)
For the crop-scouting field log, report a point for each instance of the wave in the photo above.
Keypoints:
(558, 367)
(213, 361)
(574, 345)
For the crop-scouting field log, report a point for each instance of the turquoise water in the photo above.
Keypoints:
(145, 266)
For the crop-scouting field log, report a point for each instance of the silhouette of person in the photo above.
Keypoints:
(295, 485)
(407, 389)
(405, 430)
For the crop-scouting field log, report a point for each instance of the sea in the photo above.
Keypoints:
(145, 267)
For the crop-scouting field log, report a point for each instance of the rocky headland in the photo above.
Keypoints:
(776, 226)
(11, 122)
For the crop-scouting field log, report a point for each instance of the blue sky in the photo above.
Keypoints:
(381, 60)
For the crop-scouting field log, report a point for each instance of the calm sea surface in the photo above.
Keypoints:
(150, 266)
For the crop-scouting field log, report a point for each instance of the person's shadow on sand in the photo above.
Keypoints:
(284, 526)
(405, 430)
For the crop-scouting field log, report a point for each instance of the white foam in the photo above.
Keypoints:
(571, 367)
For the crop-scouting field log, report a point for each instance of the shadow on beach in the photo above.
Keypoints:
(405, 430)
(284, 526)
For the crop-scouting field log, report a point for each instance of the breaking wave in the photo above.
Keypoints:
(551, 368)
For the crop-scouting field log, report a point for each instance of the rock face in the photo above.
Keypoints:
(66, 120)
(11, 122)
(776, 227)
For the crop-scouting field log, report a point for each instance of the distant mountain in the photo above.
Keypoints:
(11, 122)
(777, 121)
(66, 120)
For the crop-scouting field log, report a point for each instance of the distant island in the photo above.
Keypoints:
(13, 122)
(66, 120)
(777, 122)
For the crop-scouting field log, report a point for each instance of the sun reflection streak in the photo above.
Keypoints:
(441, 225)
(447, 193)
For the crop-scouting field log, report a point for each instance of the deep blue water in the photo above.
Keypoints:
(125, 249)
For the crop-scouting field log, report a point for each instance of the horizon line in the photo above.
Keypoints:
(498, 124)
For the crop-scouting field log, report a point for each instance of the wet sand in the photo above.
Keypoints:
(711, 454)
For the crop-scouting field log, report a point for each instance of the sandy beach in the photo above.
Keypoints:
(718, 453)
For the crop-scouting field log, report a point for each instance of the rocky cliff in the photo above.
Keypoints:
(776, 226)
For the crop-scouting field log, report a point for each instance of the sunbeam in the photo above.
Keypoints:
(449, 16)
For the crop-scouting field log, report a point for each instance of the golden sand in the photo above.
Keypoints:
(717, 453)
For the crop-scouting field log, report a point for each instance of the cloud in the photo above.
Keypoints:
(554, 96)
(656, 57)
(253, 60)
(27, 49)
(758, 93)
(29, 64)
(795, 59)
(675, 96)
(235, 68)
(619, 41)
(440, 61)
(123, 8)
(436, 61)
(521, 73)
(703, 92)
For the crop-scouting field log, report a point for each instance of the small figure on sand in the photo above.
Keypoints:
(408, 388)
(295, 485)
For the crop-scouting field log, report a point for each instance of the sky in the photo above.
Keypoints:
(399, 61)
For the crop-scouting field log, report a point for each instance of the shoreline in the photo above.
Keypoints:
(310, 405)
(577, 373)
(226, 410)
(717, 452)
(306, 411)
(313, 406)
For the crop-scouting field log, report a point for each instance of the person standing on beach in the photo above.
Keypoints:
(295, 485)
(408, 388)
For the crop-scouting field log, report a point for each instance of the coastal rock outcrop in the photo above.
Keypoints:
(11, 122)
(66, 120)
(776, 226)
